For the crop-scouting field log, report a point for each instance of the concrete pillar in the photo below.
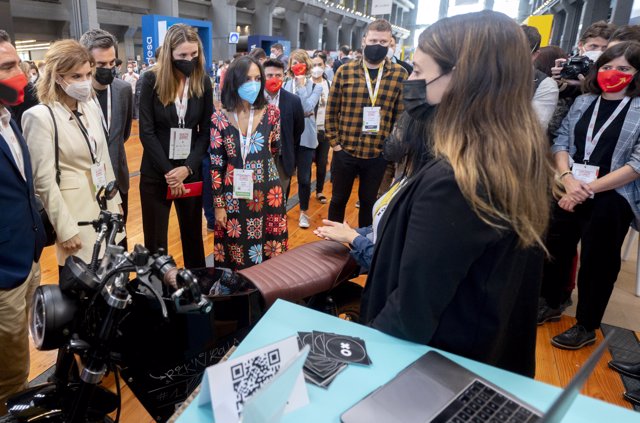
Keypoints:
(621, 11)
(345, 34)
(222, 15)
(165, 7)
(568, 39)
(592, 11)
(357, 34)
(84, 16)
(129, 45)
(312, 33)
(6, 18)
(488, 4)
(443, 10)
(331, 42)
(291, 28)
(262, 21)
(523, 10)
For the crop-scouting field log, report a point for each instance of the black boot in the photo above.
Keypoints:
(633, 397)
(626, 368)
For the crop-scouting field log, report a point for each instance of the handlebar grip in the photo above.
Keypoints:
(170, 278)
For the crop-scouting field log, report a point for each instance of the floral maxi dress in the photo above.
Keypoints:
(256, 229)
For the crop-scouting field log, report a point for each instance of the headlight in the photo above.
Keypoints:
(51, 315)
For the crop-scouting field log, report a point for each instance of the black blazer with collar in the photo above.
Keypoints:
(156, 122)
(21, 232)
(121, 118)
(291, 128)
(441, 276)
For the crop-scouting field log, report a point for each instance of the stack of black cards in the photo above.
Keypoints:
(330, 354)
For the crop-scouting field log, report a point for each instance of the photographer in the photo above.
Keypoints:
(592, 43)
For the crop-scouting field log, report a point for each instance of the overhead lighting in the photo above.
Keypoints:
(31, 49)
(32, 46)
(25, 41)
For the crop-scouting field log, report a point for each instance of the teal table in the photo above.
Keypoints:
(389, 355)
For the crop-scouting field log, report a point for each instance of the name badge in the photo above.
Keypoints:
(99, 175)
(585, 173)
(371, 120)
(243, 184)
(180, 143)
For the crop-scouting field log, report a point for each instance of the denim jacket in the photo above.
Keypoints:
(627, 151)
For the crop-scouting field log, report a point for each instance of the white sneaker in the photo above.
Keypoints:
(304, 221)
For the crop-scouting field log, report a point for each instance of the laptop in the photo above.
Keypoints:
(436, 389)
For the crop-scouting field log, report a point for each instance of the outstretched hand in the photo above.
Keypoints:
(335, 231)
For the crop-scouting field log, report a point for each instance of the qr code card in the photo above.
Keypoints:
(230, 384)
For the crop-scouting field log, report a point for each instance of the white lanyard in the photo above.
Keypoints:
(106, 123)
(245, 142)
(373, 94)
(591, 141)
(182, 103)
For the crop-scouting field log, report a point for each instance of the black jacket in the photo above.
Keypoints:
(21, 232)
(156, 122)
(291, 129)
(405, 65)
(441, 276)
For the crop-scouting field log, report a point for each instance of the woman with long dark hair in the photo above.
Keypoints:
(458, 250)
(176, 102)
(251, 219)
(597, 156)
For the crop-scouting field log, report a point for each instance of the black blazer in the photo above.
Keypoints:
(21, 230)
(291, 129)
(405, 65)
(121, 118)
(156, 122)
(441, 276)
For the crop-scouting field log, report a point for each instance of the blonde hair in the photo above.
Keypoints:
(485, 125)
(61, 58)
(167, 81)
(300, 56)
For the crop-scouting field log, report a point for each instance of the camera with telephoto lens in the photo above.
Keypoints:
(576, 65)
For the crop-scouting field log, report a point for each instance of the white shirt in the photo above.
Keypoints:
(11, 139)
(273, 100)
(131, 79)
(545, 101)
(322, 105)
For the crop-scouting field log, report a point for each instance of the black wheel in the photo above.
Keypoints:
(347, 298)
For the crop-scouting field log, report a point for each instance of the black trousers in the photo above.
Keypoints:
(124, 196)
(304, 162)
(155, 221)
(321, 159)
(601, 224)
(345, 168)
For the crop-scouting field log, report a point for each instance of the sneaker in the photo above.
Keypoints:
(566, 305)
(358, 204)
(548, 314)
(304, 221)
(211, 228)
(574, 338)
(320, 197)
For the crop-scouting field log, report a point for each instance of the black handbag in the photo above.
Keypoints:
(49, 231)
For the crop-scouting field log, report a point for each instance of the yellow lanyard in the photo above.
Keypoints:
(373, 94)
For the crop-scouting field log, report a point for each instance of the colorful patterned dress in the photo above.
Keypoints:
(256, 229)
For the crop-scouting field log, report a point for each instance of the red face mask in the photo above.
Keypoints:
(299, 69)
(613, 81)
(12, 90)
(273, 85)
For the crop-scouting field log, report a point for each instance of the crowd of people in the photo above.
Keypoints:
(479, 170)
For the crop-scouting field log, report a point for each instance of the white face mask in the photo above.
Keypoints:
(273, 56)
(33, 78)
(593, 55)
(390, 53)
(130, 70)
(317, 72)
(81, 91)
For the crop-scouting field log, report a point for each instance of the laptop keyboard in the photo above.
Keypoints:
(480, 403)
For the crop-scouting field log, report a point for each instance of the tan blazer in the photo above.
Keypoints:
(74, 200)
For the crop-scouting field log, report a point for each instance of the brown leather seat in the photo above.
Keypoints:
(302, 272)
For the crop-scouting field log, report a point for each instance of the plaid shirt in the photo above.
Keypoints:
(347, 99)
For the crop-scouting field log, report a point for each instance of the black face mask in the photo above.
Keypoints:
(105, 76)
(414, 97)
(375, 53)
(186, 66)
